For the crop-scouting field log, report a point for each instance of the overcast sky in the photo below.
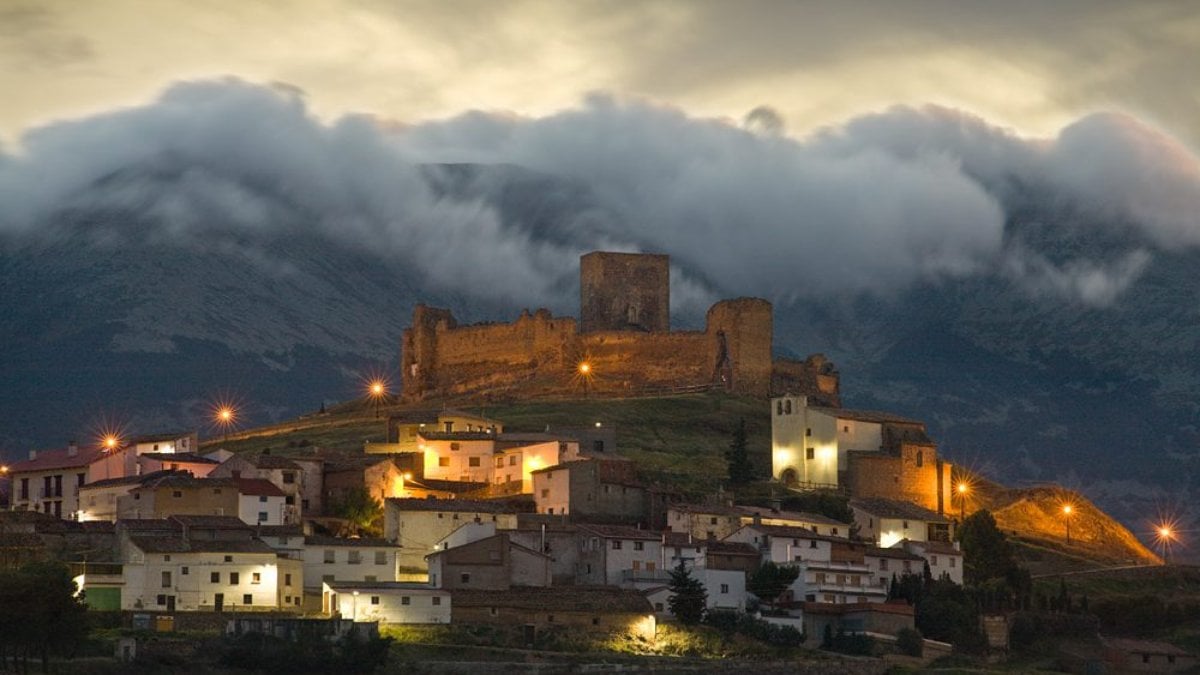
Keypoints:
(1033, 66)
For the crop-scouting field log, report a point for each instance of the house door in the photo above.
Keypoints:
(170, 603)
(219, 602)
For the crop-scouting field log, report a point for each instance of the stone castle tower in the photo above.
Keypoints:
(624, 291)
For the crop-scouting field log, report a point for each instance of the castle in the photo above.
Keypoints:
(621, 345)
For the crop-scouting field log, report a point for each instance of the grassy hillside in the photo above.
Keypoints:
(675, 440)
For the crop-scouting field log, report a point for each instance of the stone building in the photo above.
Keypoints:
(623, 337)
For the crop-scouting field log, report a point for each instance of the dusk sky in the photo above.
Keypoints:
(1028, 65)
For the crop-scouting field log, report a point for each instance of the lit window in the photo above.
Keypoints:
(443, 461)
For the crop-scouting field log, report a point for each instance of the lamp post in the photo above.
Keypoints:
(585, 372)
(354, 608)
(963, 489)
(1165, 534)
(377, 390)
(1067, 510)
(225, 417)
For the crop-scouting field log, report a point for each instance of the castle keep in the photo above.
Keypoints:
(624, 337)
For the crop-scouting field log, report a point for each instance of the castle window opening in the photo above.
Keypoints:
(443, 461)
(778, 408)
(808, 431)
(810, 453)
(846, 429)
(920, 459)
(787, 406)
(455, 446)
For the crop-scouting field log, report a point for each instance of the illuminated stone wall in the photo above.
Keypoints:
(901, 477)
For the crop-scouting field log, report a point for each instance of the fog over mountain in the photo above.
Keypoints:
(1034, 299)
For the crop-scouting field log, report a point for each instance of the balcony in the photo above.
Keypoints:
(98, 572)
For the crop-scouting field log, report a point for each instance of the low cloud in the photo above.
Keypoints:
(875, 205)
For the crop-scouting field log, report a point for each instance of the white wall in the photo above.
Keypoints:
(459, 461)
(552, 491)
(386, 605)
(342, 569)
(251, 507)
(195, 590)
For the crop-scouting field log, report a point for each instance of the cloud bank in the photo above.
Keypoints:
(874, 205)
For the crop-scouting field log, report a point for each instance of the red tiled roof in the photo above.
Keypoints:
(621, 532)
(258, 487)
(48, 460)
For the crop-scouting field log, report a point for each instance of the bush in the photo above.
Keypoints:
(910, 642)
(730, 622)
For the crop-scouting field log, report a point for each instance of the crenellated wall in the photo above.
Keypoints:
(539, 355)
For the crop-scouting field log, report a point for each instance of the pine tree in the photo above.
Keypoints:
(738, 457)
(688, 597)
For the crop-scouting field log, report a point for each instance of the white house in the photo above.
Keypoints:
(386, 602)
(944, 557)
(171, 573)
(889, 521)
(613, 555)
(417, 525)
(773, 515)
(261, 502)
(173, 442)
(330, 559)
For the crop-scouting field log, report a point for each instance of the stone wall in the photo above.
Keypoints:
(539, 355)
(625, 291)
(900, 476)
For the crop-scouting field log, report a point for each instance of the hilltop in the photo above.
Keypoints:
(679, 442)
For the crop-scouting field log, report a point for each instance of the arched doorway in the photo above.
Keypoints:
(789, 477)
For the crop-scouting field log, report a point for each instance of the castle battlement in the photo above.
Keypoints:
(623, 335)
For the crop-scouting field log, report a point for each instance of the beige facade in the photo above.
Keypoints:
(495, 563)
(176, 495)
(417, 525)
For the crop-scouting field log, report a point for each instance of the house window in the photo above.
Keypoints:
(256, 577)
(262, 499)
(883, 564)
(162, 599)
(262, 516)
(183, 570)
(289, 500)
(443, 461)
(545, 493)
(953, 561)
(214, 577)
(380, 557)
(177, 493)
(499, 462)
(355, 558)
(808, 431)
(228, 558)
(234, 578)
(595, 621)
(712, 521)
(834, 531)
(287, 580)
(812, 543)
(724, 588)
(465, 578)
(810, 453)
(289, 477)
(166, 579)
(512, 460)
(330, 556)
(846, 429)
(404, 600)
(472, 461)
(778, 408)
(327, 578)
(247, 599)
(905, 525)
(787, 407)
(437, 600)
(933, 560)
(920, 459)
(166, 558)
(455, 446)
(616, 544)
(639, 545)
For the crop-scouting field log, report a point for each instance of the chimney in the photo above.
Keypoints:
(72, 449)
(32, 454)
(757, 518)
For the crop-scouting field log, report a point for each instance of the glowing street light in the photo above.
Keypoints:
(1165, 535)
(585, 374)
(377, 391)
(225, 416)
(111, 442)
(963, 489)
(1067, 510)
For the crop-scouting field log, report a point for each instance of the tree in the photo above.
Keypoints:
(769, 581)
(364, 512)
(738, 456)
(986, 552)
(688, 597)
(42, 615)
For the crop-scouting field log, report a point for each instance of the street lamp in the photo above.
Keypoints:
(1067, 510)
(225, 417)
(377, 390)
(585, 373)
(1165, 534)
(354, 609)
(963, 489)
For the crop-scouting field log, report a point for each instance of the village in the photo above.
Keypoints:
(454, 519)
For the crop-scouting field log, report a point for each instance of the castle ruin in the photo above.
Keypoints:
(624, 338)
